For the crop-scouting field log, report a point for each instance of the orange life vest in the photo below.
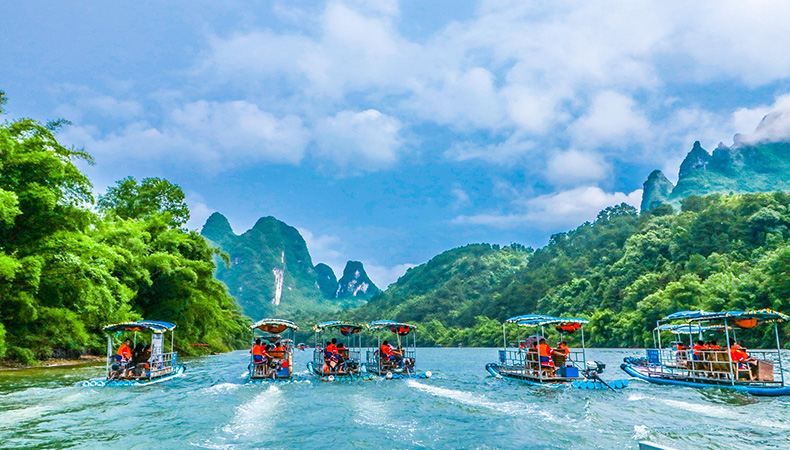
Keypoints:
(124, 351)
(257, 350)
(545, 350)
(331, 348)
(565, 349)
(385, 350)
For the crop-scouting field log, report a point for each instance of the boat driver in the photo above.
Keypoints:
(390, 353)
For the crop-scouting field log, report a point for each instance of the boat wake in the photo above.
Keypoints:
(262, 408)
(509, 408)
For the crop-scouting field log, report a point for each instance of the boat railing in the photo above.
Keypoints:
(522, 361)
(156, 366)
(372, 356)
(715, 365)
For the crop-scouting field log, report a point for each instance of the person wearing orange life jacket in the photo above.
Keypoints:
(697, 348)
(744, 361)
(563, 348)
(258, 352)
(124, 353)
(545, 353)
(389, 353)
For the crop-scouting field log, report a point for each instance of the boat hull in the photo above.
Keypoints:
(578, 383)
(100, 382)
(762, 391)
(364, 376)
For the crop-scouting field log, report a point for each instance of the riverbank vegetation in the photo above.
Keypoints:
(623, 271)
(70, 265)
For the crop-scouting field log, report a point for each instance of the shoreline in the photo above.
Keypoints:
(83, 360)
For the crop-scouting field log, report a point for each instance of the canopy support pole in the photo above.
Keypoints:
(109, 354)
(729, 354)
(504, 337)
(584, 350)
(779, 352)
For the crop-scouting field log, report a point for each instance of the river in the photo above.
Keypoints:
(461, 406)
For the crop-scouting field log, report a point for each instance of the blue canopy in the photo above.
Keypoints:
(548, 320)
(689, 329)
(526, 317)
(395, 327)
(141, 325)
(761, 315)
(275, 326)
(346, 328)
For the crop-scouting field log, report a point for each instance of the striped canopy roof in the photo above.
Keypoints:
(275, 326)
(762, 315)
(153, 326)
(351, 326)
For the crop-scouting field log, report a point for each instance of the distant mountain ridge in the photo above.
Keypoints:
(742, 168)
(270, 271)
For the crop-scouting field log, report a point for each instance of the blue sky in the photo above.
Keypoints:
(388, 132)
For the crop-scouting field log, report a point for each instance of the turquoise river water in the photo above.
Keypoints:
(460, 407)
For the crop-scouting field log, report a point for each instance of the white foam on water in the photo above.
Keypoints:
(640, 432)
(257, 414)
(480, 401)
(222, 388)
(244, 374)
(15, 417)
(708, 410)
(636, 397)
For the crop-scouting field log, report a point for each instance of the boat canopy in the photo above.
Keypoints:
(689, 329)
(141, 325)
(743, 319)
(396, 327)
(548, 320)
(518, 319)
(346, 328)
(275, 326)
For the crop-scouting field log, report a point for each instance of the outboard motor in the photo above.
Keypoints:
(595, 366)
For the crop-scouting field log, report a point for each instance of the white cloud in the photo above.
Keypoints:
(383, 276)
(461, 198)
(365, 140)
(198, 210)
(774, 122)
(612, 119)
(560, 210)
(509, 152)
(325, 248)
(216, 135)
(573, 167)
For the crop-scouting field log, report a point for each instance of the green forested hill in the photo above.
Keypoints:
(742, 168)
(66, 271)
(623, 271)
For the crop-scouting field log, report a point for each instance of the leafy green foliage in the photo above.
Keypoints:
(623, 271)
(129, 200)
(65, 272)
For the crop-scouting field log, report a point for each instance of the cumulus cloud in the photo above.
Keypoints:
(324, 248)
(198, 210)
(383, 276)
(612, 119)
(560, 210)
(573, 167)
(508, 152)
(366, 140)
(774, 122)
(217, 134)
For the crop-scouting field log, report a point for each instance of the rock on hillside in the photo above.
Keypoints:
(270, 269)
(326, 279)
(742, 168)
(355, 282)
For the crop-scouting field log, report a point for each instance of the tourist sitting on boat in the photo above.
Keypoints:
(124, 353)
(744, 361)
(389, 352)
(140, 360)
(258, 352)
(561, 354)
(695, 350)
(332, 359)
(713, 345)
(545, 356)
(682, 352)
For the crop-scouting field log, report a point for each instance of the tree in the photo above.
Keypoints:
(129, 200)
